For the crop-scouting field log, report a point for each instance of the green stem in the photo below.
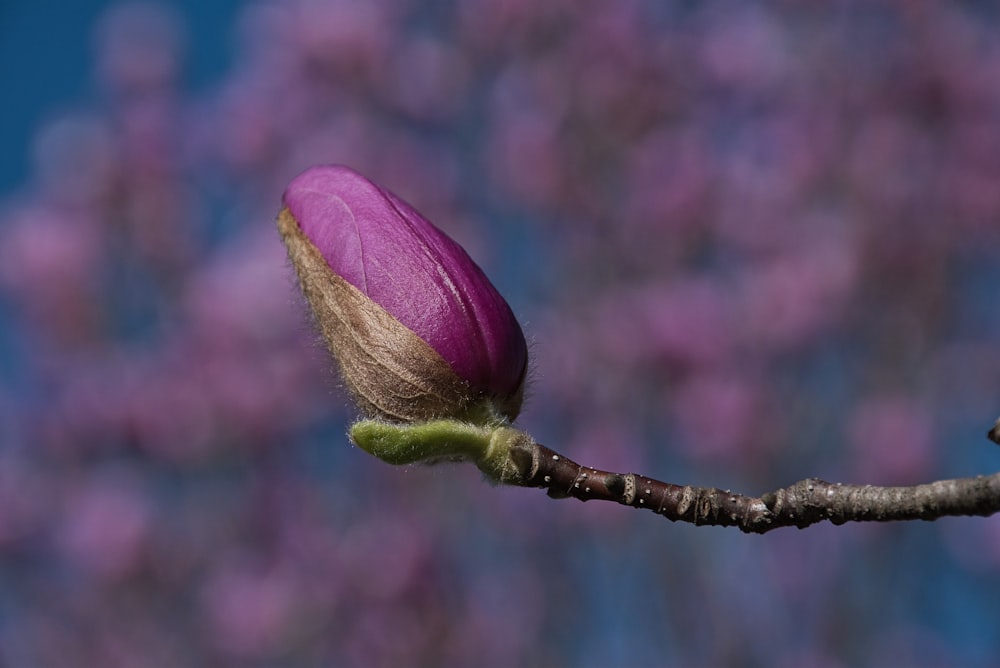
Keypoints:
(511, 457)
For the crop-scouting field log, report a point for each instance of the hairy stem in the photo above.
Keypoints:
(511, 457)
(802, 504)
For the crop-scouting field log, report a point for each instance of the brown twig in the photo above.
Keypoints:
(801, 504)
(994, 433)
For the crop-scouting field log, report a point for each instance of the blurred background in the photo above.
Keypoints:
(750, 243)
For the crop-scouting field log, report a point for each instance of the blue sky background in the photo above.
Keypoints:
(747, 246)
(46, 48)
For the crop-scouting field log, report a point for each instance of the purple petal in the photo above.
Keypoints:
(386, 249)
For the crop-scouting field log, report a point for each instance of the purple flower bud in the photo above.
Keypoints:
(418, 330)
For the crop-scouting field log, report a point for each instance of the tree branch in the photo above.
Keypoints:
(509, 456)
(802, 504)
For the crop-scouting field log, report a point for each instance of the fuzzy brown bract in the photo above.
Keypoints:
(392, 373)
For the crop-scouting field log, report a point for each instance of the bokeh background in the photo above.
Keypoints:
(750, 243)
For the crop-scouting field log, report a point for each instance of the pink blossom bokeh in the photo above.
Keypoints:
(748, 245)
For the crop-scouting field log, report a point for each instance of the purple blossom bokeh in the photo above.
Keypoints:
(749, 245)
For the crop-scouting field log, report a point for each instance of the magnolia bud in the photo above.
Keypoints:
(418, 331)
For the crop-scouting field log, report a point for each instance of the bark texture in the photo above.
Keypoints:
(802, 504)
